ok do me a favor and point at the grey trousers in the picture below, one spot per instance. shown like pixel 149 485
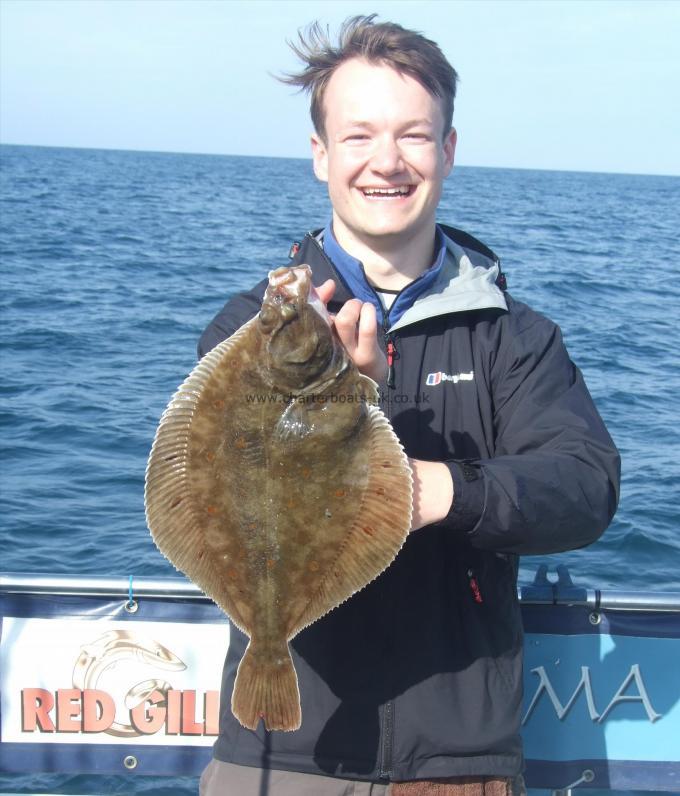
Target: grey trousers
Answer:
pixel 227 779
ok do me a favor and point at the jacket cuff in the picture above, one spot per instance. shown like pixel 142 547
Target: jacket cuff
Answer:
pixel 468 496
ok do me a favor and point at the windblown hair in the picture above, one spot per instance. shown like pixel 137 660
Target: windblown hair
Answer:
pixel 406 51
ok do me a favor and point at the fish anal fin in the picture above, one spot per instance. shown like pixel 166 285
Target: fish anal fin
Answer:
pixel 175 527
pixel 379 529
pixel 266 688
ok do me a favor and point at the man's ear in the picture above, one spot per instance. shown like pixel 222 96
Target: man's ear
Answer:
pixel 450 150
pixel 319 158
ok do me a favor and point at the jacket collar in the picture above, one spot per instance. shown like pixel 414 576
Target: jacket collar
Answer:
pixel 354 276
pixel 469 278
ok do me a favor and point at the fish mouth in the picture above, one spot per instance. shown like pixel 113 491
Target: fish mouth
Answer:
pixel 293 285
pixel 387 192
pixel 292 282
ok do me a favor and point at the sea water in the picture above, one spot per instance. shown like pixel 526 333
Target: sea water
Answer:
pixel 114 262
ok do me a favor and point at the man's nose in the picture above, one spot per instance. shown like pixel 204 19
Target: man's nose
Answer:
pixel 387 156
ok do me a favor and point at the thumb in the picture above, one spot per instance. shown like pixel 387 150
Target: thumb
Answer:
pixel 326 290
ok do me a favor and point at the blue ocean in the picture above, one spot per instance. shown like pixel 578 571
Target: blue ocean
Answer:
pixel 113 263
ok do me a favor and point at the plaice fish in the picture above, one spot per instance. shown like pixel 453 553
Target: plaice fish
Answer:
pixel 277 486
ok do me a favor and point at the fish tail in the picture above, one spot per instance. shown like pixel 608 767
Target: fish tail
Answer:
pixel 266 688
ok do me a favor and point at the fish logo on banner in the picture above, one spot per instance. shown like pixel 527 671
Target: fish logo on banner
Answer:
pixel 120 688
pixel 118 647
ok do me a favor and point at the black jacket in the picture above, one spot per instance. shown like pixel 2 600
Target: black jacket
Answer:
pixel 419 675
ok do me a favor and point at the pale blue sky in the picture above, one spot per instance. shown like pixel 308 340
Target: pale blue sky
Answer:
pixel 561 84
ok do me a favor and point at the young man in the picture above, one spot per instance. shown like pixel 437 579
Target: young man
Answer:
pixel 417 679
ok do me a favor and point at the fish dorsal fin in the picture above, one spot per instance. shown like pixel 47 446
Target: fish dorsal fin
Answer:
pixel 379 530
pixel 171 513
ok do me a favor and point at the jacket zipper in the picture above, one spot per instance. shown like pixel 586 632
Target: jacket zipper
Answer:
pixel 385 768
pixel 388 710
pixel 385 771
pixel 390 346
pixel 392 354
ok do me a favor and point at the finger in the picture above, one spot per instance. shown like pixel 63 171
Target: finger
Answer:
pixel 326 290
pixel 346 323
pixel 368 327
pixel 369 357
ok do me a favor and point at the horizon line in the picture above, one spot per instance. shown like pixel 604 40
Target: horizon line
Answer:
pixel 291 157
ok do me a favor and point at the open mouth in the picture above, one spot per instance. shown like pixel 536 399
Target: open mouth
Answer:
pixel 398 192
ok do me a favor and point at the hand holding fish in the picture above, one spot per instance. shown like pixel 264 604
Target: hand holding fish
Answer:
pixel 357 328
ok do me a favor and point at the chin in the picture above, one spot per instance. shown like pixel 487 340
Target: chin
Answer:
pixel 388 233
pixel 386 226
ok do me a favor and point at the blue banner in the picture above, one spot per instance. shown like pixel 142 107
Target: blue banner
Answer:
pixel 601 698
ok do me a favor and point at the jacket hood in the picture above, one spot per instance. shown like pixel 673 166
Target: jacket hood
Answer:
pixel 468 280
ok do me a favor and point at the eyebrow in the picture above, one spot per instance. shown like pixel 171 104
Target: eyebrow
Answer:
pixel 354 123
pixel 419 122
pixel 406 125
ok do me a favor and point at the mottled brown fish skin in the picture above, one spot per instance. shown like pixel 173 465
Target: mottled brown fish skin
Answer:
pixel 277 487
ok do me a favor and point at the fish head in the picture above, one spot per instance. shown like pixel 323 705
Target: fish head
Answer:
pixel 300 346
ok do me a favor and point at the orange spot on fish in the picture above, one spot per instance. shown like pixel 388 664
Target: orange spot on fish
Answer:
pixel 340 492
pixel 210 456
pixel 212 510
pixel 232 573
pixel 314 565
pixel 367 529
pixel 270 563
pixel 218 404
pixel 306 472
pixel 290 503
pixel 240 443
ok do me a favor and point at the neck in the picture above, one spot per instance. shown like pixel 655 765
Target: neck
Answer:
pixel 390 261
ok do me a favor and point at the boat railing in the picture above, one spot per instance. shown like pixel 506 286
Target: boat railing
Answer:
pixel 543 590
pixel 601 679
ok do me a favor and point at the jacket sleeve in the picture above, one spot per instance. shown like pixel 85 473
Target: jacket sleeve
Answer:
pixel 553 482
pixel 237 311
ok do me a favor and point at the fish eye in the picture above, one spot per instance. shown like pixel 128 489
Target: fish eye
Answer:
pixel 289 311
pixel 268 317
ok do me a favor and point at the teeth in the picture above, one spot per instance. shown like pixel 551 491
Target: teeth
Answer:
pixel 387 191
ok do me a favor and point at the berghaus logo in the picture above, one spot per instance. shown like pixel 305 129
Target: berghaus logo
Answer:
pixel 437 378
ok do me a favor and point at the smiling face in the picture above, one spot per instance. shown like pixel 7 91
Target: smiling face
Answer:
pixel 385 156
